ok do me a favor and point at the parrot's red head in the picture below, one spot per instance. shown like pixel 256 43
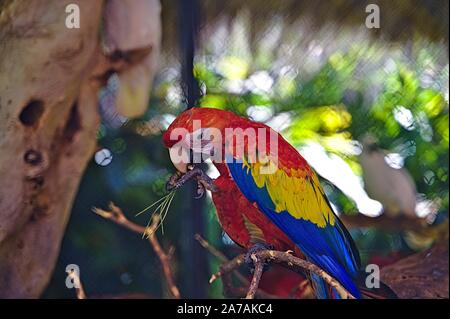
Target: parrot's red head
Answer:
pixel 198 125
pixel 208 118
pixel 222 135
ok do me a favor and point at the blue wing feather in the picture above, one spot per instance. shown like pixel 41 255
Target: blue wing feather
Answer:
pixel 330 247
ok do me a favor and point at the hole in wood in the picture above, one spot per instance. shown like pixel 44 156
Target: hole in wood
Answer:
pixel 73 124
pixel 37 182
pixel 32 157
pixel 31 113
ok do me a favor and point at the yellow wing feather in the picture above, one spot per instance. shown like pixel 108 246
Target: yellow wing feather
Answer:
pixel 300 194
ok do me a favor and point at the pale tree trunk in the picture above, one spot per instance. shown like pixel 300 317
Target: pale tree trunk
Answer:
pixel 49 79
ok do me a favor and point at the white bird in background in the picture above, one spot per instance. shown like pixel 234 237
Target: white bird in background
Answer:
pixel 392 185
pixel 387 182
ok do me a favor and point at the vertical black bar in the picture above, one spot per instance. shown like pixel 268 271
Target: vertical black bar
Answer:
pixel 195 261
pixel 189 18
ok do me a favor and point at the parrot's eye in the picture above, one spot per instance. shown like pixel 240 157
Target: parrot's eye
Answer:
pixel 201 145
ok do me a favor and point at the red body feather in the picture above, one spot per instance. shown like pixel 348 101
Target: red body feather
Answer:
pixel 232 210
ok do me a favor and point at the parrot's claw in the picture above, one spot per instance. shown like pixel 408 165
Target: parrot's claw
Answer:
pixel 204 181
pixel 254 249
pixel 200 190
pixel 173 182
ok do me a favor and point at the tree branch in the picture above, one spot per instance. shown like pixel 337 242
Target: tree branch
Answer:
pixel 384 222
pixel 257 274
pixel 116 215
pixel 287 260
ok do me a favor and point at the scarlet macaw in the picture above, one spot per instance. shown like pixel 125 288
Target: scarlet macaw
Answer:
pixel 286 208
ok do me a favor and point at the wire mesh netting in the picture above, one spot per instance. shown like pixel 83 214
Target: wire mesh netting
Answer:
pixel 317 74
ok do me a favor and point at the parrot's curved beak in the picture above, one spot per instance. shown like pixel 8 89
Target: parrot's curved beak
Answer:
pixel 180 157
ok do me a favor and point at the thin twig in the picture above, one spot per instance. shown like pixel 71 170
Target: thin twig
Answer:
pixel 221 256
pixel 79 289
pixel 116 215
pixel 163 257
pixel 214 251
pixel 257 274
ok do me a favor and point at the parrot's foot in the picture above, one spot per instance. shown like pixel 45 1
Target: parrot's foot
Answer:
pixel 254 249
pixel 204 182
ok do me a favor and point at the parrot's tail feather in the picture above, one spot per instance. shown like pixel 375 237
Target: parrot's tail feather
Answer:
pixel 381 292
pixel 321 289
pixel 324 290
pixel 339 273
